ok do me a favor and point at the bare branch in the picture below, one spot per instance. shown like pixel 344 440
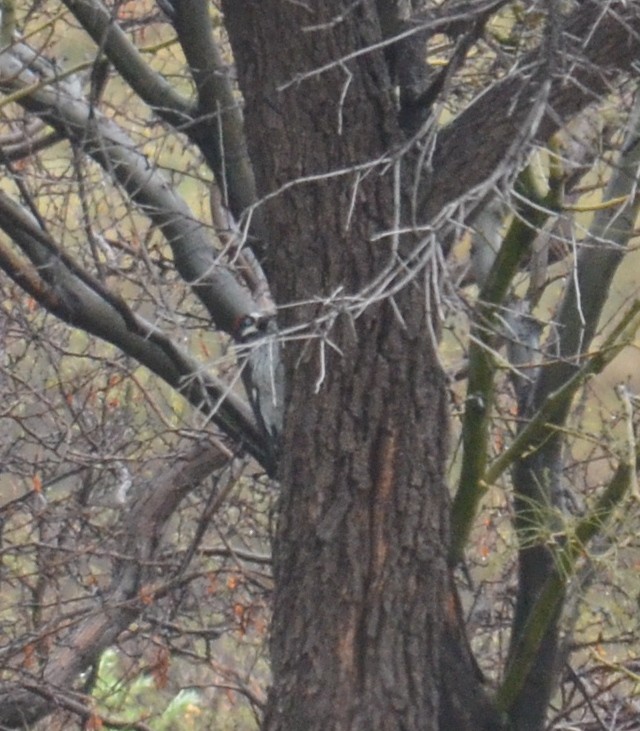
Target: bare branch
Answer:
pixel 122 603
pixel 195 257
pixel 214 123
pixel 599 43
pixel 218 108
pixel 71 294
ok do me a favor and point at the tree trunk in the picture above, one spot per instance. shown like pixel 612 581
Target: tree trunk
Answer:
pixel 363 598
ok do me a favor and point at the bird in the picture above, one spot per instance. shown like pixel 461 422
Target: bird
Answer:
pixel 263 373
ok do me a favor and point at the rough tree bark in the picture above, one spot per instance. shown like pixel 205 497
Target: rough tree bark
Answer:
pixel 363 528
pixel 367 631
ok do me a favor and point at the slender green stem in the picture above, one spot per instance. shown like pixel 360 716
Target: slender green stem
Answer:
pixel 532 212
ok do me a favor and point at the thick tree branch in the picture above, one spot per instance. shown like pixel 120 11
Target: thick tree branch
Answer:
pixel 60 286
pixel 537 476
pixel 597 264
pixel 531 214
pixel 150 86
pixel 218 109
pixel 599 43
pixel 195 257
pixel 525 652
pixel 214 124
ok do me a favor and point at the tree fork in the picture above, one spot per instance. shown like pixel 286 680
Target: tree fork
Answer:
pixel 363 524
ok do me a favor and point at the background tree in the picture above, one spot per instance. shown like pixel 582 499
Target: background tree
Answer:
pixel 277 195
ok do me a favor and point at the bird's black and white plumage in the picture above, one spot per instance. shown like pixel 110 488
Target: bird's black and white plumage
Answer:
pixel 262 374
